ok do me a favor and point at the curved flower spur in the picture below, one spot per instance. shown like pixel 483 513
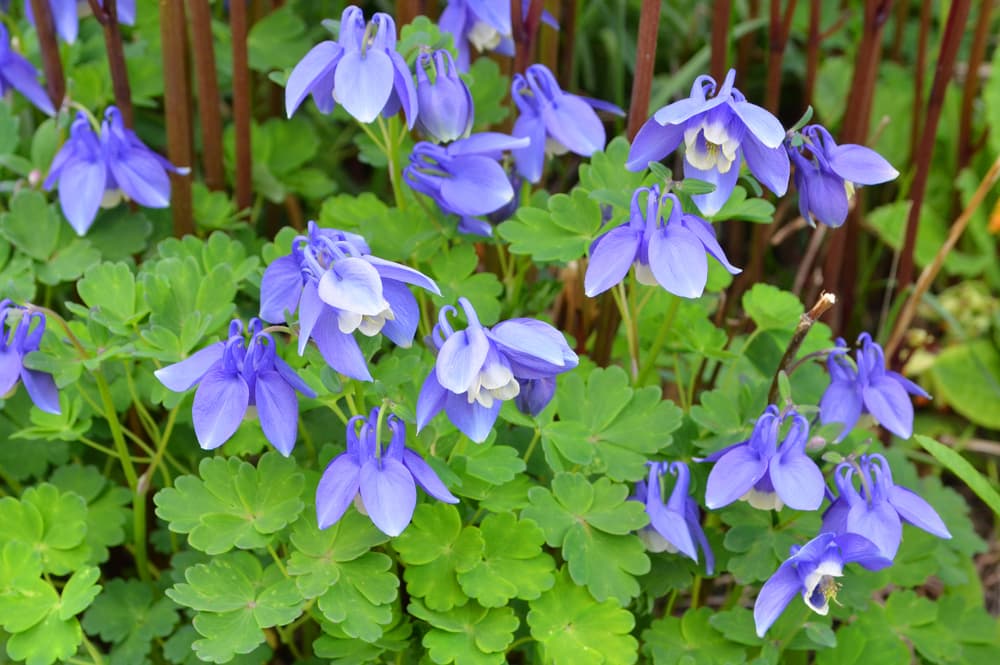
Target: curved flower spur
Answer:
pixel 446 107
pixel 337 286
pixel 15 344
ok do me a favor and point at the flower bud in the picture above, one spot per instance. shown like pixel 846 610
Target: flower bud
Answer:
pixel 445 105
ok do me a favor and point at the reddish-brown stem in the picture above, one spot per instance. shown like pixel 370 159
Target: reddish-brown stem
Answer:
pixel 177 98
pixel 645 59
pixel 407 10
pixel 953 31
pixel 920 74
pixel 812 48
pixel 780 24
pixel 567 40
pixel 525 31
pixel 966 146
pixel 55 83
pixel 721 12
pixel 209 100
pixel 107 14
pixel 241 104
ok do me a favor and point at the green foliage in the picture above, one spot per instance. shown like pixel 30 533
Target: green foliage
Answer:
pixel 955 463
pixel 563 232
pixel 127 616
pixel 467 635
pixel 967 377
pixel 691 639
pixel 50 522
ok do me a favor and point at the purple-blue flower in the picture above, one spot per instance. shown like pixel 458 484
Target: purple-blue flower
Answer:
pixel 879 509
pixel 94 172
pixel 762 473
pixel 674 526
pixel 66 15
pixel 18 339
pixel 719 128
pixel 446 110
pixel 669 251
pixel 483 23
pixel 232 376
pixel 384 478
pixel 464 178
pixel 337 286
pixel 17 73
pixel 361 71
pixel 811 571
pixel 826 180
pixel 867 387
pixel 478 368
pixel 556 122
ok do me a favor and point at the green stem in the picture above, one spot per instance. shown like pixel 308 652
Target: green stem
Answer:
pixel 519 641
pixel 661 339
pixel 277 559
pixel 695 591
pixel 117 435
pixel 622 300
pixel 531 446
pixel 392 155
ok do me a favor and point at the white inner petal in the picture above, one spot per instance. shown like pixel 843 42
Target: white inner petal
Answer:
pixel 719 152
pixel 644 274
pixel 112 197
pixel 494 382
pixel 763 500
pixel 822 577
pixel 554 148
pixel 484 36
pixel 654 542
pixel 369 325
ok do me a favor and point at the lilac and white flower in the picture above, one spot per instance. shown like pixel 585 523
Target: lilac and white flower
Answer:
pixel 18 338
pixel 361 71
pixel 233 376
pixel 384 479
pixel 720 129
pixel 485 24
pixel 827 178
pixel 556 122
pixel 446 109
pixel 674 526
pixel 94 172
pixel 867 386
pixel 811 570
pixel 763 474
pixel 66 15
pixel 666 250
pixel 338 287
pixel 879 509
pixel 478 368
pixel 17 73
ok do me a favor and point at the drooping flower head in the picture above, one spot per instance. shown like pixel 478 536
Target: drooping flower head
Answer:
pixel 478 368
pixel 826 173
pixel 17 73
pixel 811 570
pixel 485 24
pixel 867 386
pixel 674 526
pixel 446 108
pixel 719 128
pixel 361 71
pixel 669 250
pixel 233 376
pixel 762 473
pixel 66 15
pixel 98 171
pixel 879 509
pixel 464 178
pixel 18 339
pixel 557 122
pixel 337 286
pixel 384 478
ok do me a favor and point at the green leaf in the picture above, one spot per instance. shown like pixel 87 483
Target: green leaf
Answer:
pixel 68 262
pixel 314 563
pixel 736 625
pixel 592 523
pixel 561 233
pixel 50 521
pixel 122 233
pixel 689 639
pixel 110 291
pixel 31 225
pixel 106 510
pixel 233 504
pixel 48 641
pixel 513 564
pixel 575 629
pixel 456 274
pixel 79 592
pixel 360 601
pixel 126 615
pixel 605 178
pixel 435 548
pixel 468 635
pixel 771 308
pixel 276 40
pixel 958 465
pixel 738 206
pixel 968 379
pixel 489 88
pixel 491 462
pixel 25 599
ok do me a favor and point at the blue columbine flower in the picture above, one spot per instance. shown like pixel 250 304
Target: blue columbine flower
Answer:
pixel 94 172
pixel 446 108
pixel 670 252
pixel 338 286
pixel 17 73
pixel 479 368
pixel 880 508
pixel 384 479
pixel 361 71
pixel 465 178
pixel 556 122
pixel 233 376
pixel 867 387
pixel 826 180
pixel 66 15
pixel 17 342
pixel 674 526
pixel 810 570
pixel 483 23
pixel 719 128
pixel 764 475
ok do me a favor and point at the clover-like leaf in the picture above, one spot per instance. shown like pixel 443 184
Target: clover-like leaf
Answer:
pixel 316 559
pixel 690 639
pixel 360 601
pixel 513 564
pixel 467 635
pixel 54 523
pixel 106 506
pixel 233 504
pixel 561 233
pixel 127 616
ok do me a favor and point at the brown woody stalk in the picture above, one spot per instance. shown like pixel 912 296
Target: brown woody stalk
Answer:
pixel 806 321
pixel 919 74
pixel 780 26
pixel 567 40
pixel 645 60
pixel 720 38
pixel 55 82
pixel 241 104
pixel 953 31
pixel 812 48
pixel 177 100
pixel 209 99
pixel 525 31
pixel 966 145
pixel 107 16
pixel 407 10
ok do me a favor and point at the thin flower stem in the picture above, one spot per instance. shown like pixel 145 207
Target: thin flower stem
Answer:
pixel 104 449
pixel 679 381
pixel 806 321
pixel 696 591
pixel 277 559
pixel 622 300
pixel 532 444
pixel 661 338
pixel 92 651
pixel 391 149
